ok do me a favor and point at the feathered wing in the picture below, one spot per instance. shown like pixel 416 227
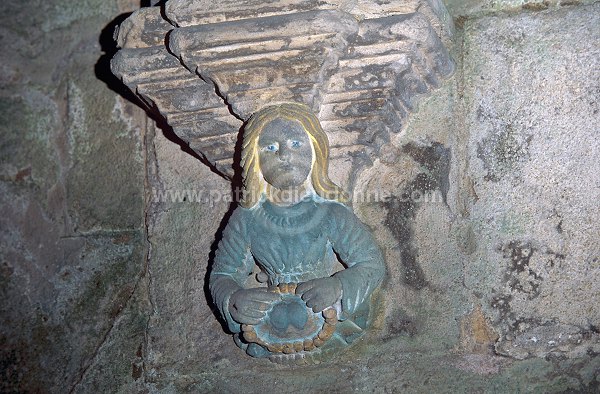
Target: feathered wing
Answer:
pixel 360 69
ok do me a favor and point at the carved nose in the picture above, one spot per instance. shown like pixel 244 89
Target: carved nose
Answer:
pixel 284 154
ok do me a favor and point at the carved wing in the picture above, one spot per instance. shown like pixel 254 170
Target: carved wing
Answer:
pixel 361 67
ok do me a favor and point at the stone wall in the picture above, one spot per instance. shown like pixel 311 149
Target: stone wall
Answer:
pixel 489 222
pixel 72 201
pixel 490 228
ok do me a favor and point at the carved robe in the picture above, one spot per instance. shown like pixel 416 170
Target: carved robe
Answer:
pixel 295 244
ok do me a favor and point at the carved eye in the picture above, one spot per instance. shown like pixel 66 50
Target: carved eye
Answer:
pixel 271 148
pixel 295 144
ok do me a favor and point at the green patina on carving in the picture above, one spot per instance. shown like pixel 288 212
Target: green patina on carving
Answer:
pixel 294 226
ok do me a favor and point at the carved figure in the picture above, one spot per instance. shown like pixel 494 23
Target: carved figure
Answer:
pixel 291 224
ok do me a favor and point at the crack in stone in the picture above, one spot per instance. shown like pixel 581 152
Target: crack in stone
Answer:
pixel 145 271
pixel 106 336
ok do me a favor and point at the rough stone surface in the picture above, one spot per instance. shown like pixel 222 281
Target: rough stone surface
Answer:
pixel 430 334
pixel 485 206
pixel 463 9
pixel 435 200
pixel 360 65
pixel 71 210
pixel 535 172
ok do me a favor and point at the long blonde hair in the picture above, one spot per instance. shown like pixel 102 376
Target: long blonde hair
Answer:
pixel 254 183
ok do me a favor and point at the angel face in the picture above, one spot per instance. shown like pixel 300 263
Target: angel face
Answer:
pixel 285 153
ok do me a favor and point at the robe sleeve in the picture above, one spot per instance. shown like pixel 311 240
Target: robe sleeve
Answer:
pixel 357 249
pixel 232 265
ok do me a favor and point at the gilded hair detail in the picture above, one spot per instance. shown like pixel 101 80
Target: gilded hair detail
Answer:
pixel 254 184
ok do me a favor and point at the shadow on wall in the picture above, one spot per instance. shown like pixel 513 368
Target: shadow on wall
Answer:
pixel 103 72
pixel 151 3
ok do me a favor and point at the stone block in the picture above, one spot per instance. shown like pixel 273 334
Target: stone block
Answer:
pixel 328 55
pixel 71 191
pixel 532 116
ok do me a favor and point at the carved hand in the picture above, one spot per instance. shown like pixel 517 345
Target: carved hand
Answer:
pixel 320 293
pixel 249 306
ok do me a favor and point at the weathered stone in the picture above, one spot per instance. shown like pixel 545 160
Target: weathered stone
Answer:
pixel 506 151
pixel 360 66
pixel 184 13
pixel 469 8
pixel 429 155
pixel 26 154
pixel 99 138
pixel 188 204
pixel 118 364
pixel 85 281
pixel 71 185
pixel 477 335
pixel 144 28
pixel 279 59
pixel 532 111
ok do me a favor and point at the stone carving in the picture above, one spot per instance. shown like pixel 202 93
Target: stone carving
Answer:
pixel 291 224
pixel 359 65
